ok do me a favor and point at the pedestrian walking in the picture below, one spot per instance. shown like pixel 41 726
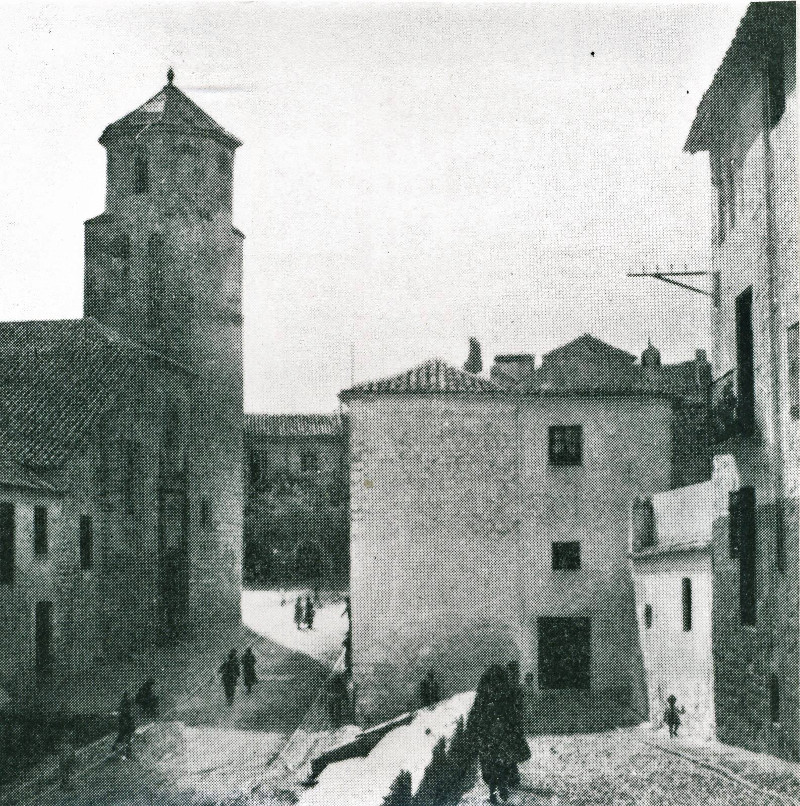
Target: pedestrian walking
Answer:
pixel 126 725
pixel 67 761
pixel 309 613
pixel 147 699
pixel 249 669
pixel 299 616
pixel 672 717
pixel 429 690
pixel 230 672
pixel 516 717
pixel 337 700
pixel 500 745
pixel 348 653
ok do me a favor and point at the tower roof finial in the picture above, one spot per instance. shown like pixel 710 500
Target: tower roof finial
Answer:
pixel 170 76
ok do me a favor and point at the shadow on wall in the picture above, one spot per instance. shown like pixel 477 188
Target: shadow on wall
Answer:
pixel 388 674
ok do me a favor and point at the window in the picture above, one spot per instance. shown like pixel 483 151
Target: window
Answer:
pixel 40 530
pixel 120 260
pixel 686 597
pixel 648 616
pixel 776 79
pixel 794 371
pixel 742 516
pixel 141 174
pixel 205 511
pixel 7 542
pixel 566 556
pixel 132 460
pixel 775 698
pixel 745 376
pixel 155 279
pixel 309 462
pixel 566 444
pixel 87 542
pixel 224 163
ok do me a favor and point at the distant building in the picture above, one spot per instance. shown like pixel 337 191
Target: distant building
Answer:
pixel 747 122
pixel 490 522
pixel 296 524
pixel 121 489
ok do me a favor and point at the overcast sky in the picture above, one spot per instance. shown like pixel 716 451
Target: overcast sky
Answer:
pixel 411 175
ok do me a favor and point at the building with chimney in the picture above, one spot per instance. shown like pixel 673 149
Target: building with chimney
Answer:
pixel 489 521
pixel 121 494
pixel 745 519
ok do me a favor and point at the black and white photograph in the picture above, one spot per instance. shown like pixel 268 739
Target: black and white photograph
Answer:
pixel 399 404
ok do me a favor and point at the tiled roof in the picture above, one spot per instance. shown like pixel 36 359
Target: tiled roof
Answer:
pixel 432 376
pixel 55 378
pixel 760 26
pixel 281 426
pixel 169 108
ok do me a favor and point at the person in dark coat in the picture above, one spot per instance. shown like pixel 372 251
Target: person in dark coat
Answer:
pixel 498 739
pixel 126 726
pixel 337 700
pixel 249 669
pixel 429 690
pixel 299 616
pixel 309 613
pixel 147 699
pixel 672 717
pixel 230 672
pixel 516 717
pixel 348 653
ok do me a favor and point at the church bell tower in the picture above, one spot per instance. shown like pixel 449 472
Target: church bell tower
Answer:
pixel 163 267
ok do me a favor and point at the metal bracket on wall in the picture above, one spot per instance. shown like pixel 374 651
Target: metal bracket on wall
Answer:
pixel 668 277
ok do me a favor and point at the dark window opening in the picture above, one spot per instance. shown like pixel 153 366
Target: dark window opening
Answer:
pixel 648 616
pixel 120 256
pixel 141 173
pixel 776 78
pixel 40 530
pixel 7 542
pixel 742 516
pixel 309 462
pixel 775 698
pixel 745 374
pixel 44 637
pixel 256 468
pixel 565 652
pixel 87 542
pixel 155 279
pixel 566 556
pixel 686 598
pixel 224 163
pixel 205 511
pixel 794 370
pixel 566 444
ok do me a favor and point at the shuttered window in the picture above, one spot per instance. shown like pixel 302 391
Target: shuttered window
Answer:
pixel 7 545
pixel 686 596
pixel 742 516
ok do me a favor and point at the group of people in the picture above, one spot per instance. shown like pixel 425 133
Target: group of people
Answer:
pixel 304 612
pixel 232 669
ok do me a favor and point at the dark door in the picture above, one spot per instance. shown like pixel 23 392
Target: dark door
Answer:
pixel 565 652
pixel 44 637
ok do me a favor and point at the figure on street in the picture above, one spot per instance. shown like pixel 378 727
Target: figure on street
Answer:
pixel 147 699
pixel 672 717
pixel 337 700
pixel 429 690
pixel 249 677
pixel 299 617
pixel 126 726
pixel 230 672
pixel 516 712
pixel 500 745
pixel 348 653
pixel 309 613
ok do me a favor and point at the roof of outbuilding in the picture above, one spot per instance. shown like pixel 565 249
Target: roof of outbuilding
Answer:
pixel 173 109
pixel 14 474
pixel 432 376
pixel 283 426
pixel 55 378
pixel 758 27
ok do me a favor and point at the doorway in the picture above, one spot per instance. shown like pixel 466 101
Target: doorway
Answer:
pixel 565 652
pixel 44 637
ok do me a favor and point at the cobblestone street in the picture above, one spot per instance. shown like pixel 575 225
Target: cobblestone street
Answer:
pixel 616 768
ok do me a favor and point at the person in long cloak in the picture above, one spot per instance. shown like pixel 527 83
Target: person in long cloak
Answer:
pixel 249 677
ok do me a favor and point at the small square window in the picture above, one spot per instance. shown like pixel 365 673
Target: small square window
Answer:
pixel 648 616
pixel 566 445
pixel 40 530
pixel 566 556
